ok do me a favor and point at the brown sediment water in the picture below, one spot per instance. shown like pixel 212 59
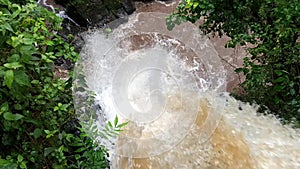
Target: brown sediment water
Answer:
pixel 241 140
pixel 171 88
pixel 223 149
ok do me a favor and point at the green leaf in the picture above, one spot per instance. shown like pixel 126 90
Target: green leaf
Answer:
pixel 189 4
pixel 81 149
pixel 27 41
pixel 22 78
pixel 35 82
pixel 116 121
pixel 18 106
pixel 48 150
pixel 37 133
pixel 50 133
pixel 4 162
pixel 239 70
pixel 13 65
pixel 77 156
pixel 118 130
pixel 108 133
pixel 292 92
pixel 195 4
pixel 20 158
pixel 69 137
pixel 49 42
pixel 17 11
pixel 9 78
pixel 27 51
pixel 33 121
pixel 8 27
pixel 13 58
pixel 15 41
pixel 56 108
pixel 278 88
pixel 12 117
pixel 278 72
pixel 4 108
pixel 103 135
pixel 109 124
pixel 23 165
pixel 108 30
pixel 79 144
pixel 280 79
pixel 122 125
pixel 4 2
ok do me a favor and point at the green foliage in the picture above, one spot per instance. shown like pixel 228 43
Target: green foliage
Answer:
pixel 87 112
pixel 35 106
pixel 109 131
pixel 273 27
pixel 87 154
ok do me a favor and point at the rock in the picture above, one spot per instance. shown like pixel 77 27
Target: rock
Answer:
pixel 80 15
pixel 96 13
pixel 128 6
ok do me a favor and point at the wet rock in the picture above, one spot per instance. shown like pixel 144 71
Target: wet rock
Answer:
pixel 72 126
pixel 66 64
pixel 96 13
pixel 128 6
pixel 80 15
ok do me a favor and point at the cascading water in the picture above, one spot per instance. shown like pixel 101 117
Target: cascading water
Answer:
pixel 170 87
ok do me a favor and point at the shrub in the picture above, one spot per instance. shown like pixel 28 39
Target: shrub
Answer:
pixel 273 70
pixel 37 123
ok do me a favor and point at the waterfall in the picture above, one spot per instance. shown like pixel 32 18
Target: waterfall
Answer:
pixel 170 87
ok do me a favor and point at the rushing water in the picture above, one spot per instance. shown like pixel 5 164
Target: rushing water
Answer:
pixel 170 86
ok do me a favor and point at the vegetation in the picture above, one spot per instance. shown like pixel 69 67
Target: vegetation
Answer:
pixel 273 28
pixel 37 119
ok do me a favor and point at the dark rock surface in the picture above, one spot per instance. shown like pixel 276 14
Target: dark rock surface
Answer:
pixel 83 14
pixel 96 13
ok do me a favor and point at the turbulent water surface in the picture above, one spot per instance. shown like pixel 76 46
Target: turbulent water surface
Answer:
pixel 170 86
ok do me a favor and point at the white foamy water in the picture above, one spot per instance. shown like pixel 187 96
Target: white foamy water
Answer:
pixel 272 145
pixel 170 87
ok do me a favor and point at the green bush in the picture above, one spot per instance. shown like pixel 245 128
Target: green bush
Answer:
pixel 273 70
pixel 36 109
